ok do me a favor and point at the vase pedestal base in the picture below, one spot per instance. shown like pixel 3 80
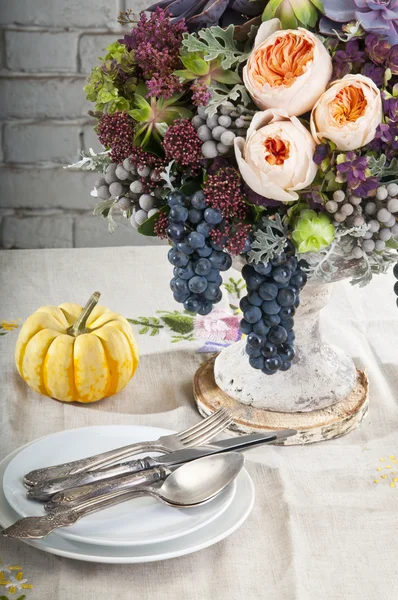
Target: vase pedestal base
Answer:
pixel 314 426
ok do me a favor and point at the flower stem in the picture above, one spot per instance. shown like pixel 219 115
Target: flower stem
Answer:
pixel 79 326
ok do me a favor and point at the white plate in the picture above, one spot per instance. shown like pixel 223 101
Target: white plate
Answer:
pixel 232 519
pixel 139 521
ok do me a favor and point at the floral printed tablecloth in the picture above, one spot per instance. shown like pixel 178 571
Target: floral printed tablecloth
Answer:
pixel 325 521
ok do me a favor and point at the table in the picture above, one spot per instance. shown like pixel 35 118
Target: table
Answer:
pixel 321 528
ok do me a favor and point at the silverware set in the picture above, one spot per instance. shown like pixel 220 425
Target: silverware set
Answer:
pixel 188 473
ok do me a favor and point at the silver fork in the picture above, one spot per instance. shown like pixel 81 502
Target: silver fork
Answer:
pixel 197 435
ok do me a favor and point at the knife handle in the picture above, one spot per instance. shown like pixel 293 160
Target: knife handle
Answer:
pixel 46 490
pixel 78 496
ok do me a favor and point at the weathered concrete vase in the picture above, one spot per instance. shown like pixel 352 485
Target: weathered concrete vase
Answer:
pixel 320 376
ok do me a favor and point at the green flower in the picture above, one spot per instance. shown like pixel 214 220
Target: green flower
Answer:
pixel 154 115
pixel 293 13
pixel 207 72
pixel 313 231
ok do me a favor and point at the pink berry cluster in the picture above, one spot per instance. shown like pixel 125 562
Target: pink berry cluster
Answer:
pixel 182 144
pixel 116 131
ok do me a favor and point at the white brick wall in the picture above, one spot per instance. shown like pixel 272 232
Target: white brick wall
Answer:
pixel 47 47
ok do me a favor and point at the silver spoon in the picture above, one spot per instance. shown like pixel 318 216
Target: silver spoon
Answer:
pixel 191 485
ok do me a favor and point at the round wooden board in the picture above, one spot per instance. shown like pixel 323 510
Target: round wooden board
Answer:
pixel 316 426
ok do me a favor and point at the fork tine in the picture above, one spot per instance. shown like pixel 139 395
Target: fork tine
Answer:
pixel 202 437
pixel 202 424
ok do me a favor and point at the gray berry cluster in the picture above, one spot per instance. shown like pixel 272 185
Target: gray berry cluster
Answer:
pixel 219 131
pixel 123 182
pixel 382 217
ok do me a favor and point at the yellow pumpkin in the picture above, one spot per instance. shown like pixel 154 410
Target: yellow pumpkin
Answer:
pixel 74 354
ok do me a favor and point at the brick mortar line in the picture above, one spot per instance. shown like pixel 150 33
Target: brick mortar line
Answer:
pixel 49 122
pixel 5 74
pixel 42 166
pixel 50 29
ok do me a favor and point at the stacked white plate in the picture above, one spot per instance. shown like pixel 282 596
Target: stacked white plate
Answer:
pixel 140 530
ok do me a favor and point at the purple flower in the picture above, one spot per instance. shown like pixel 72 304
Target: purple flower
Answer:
pixel 379 16
pixel 392 60
pixel 321 152
pixel 375 73
pixel 157 43
pixel 377 48
pixel 355 171
pixel 390 107
pixel 344 60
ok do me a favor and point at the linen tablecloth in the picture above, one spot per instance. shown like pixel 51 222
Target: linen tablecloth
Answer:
pixel 321 527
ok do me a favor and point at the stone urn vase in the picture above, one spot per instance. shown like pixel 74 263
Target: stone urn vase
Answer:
pixel 322 396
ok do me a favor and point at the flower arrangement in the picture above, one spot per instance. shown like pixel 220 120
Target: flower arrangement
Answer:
pixel 262 129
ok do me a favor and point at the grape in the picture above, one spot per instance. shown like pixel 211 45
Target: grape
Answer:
pixel 186 272
pixel 204 228
pixel 257 362
pixel 178 213
pixel 395 270
pixel 196 240
pixel 180 297
pixel 277 335
pixel 198 200
pixel 255 341
pixel 184 247
pixel 269 324
pixel 286 297
pixel 260 328
pixel 213 216
pixel 203 266
pixel 269 349
pixel 176 232
pixel 245 327
pixel 195 215
pixel 204 252
pixel 176 198
pixel 252 314
pixel 197 260
pixel 192 304
pixel 270 308
pixel 268 291
pixel 254 299
pixel 197 284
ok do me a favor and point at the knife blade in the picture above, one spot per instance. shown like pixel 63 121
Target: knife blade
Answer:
pixel 45 491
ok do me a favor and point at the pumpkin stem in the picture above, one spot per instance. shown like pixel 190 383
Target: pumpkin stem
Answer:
pixel 79 325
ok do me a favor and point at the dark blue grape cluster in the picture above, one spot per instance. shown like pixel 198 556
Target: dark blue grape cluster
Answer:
pixel 196 258
pixel 396 277
pixel 269 308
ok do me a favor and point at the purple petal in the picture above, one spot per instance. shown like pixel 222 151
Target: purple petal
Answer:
pixel 339 10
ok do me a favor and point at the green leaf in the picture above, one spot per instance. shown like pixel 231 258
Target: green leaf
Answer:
pixel 270 240
pixel 191 187
pixel 319 5
pixel 178 322
pixel 228 77
pixel 195 63
pixel 185 74
pixel 147 227
pixel 305 12
pixel 216 43
pixel 270 9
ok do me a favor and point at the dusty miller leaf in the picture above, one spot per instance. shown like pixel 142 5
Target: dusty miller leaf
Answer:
pixel 222 93
pixel 91 161
pixel 216 42
pixel 167 176
pixel 269 242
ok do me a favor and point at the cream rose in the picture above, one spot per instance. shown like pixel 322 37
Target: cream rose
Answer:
pixel 348 113
pixel 287 69
pixel 275 160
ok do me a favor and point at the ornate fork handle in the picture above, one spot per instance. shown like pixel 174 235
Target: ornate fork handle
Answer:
pixel 39 476
pixel 47 489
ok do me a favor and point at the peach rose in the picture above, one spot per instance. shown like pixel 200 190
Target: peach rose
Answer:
pixel 287 69
pixel 348 113
pixel 275 160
